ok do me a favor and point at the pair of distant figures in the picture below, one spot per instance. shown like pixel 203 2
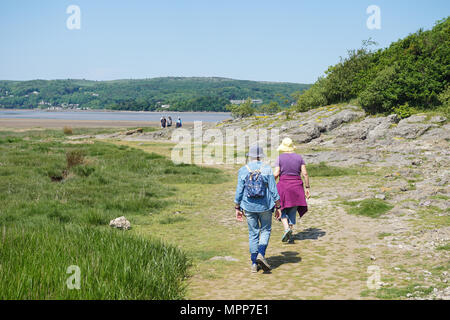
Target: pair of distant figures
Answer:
pixel 168 122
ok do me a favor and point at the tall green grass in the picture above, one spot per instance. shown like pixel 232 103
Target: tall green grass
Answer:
pixel 56 210
pixel 113 264
pixel 41 181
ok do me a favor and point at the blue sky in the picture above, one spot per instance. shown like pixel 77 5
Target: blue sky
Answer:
pixel 281 40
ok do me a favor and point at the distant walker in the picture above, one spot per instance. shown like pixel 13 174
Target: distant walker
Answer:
pixel 179 124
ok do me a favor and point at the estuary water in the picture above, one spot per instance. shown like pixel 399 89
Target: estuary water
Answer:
pixel 113 115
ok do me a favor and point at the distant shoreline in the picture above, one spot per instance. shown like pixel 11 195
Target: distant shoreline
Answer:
pixel 60 123
pixel 26 118
pixel 108 110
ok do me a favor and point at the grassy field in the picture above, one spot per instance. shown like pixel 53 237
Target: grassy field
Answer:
pixel 56 200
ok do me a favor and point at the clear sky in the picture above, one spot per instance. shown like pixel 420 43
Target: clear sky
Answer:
pixel 278 40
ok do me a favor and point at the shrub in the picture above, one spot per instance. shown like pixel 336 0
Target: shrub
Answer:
pixel 346 79
pixel 381 95
pixel 413 70
pixel 444 98
pixel 74 158
pixel 271 108
pixel 404 111
pixel 67 130
pixel 312 98
pixel 243 110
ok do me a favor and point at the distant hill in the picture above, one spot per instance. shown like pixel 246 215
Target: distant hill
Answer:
pixel 182 94
pixel 411 74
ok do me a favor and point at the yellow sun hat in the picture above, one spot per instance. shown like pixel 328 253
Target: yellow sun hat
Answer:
pixel 286 145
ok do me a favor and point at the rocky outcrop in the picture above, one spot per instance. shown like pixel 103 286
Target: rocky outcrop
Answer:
pixel 371 128
pixel 310 125
pixel 304 133
pixel 335 120
pixel 412 127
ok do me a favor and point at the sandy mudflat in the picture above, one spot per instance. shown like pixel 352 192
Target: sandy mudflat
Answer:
pixel 57 123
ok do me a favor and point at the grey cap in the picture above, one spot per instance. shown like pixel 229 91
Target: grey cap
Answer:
pixel 256 152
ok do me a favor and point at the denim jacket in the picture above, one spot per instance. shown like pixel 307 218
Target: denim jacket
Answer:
pixel 256 204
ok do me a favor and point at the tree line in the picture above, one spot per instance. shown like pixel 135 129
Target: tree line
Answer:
pixel 410 75
pixel 182 94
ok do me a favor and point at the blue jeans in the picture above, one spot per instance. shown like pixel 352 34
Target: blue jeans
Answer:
pixel 259 228
pixel 289 214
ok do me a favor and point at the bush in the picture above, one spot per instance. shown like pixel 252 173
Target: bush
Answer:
pixel 271 108
pixel 413 70
pixel 381 95
pixel 444 98
pixel 346 79
pixel 243 110
pixel 74 158
pixel 312 98
pixel 67 130
pixel 404 111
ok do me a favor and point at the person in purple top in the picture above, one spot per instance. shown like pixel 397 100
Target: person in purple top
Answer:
pixel 290 168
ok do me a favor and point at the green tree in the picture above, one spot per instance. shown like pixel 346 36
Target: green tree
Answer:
pixel 312 98
pixel 271 108
pixel 243 110
pixel 382 94
pixel 411 74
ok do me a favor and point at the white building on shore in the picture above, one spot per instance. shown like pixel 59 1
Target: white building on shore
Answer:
pixel 256 101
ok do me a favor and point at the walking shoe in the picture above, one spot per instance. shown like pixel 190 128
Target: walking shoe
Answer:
pixel 254 268
pixel 286 235
pixel 263 262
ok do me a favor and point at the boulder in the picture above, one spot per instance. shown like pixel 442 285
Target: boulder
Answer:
pixel 339 118
pixel 413 119
pixel 369 128
pixel 120 223
pixel 438 119
pixel 393 118
pixel 379 131
pixel 288 125
pixel 410 130
pixel 305 133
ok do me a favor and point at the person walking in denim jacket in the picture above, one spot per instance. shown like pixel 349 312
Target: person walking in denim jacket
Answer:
pixel 258 211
